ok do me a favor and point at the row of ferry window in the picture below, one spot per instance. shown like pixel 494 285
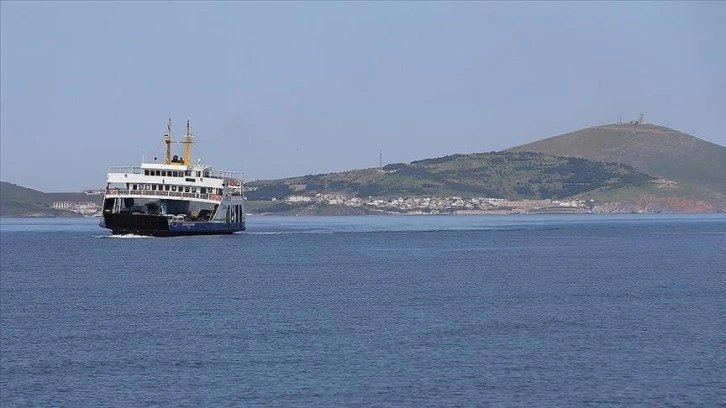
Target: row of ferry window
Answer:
pixel 174 173
pixel 181 189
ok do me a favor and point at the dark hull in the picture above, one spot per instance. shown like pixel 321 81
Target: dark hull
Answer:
pixel 159 226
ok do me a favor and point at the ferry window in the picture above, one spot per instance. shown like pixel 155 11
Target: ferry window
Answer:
pixel 203 190
pixel 134 187
pixel 194 189
pixel 173 188
pixel 186 189
pixel 166 188
pixel 153 187
pixel 146 172
pixel 199 174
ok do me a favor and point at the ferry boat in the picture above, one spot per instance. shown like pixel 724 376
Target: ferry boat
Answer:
pixel 173 198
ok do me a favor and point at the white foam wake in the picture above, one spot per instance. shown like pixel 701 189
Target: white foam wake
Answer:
pixel 122 236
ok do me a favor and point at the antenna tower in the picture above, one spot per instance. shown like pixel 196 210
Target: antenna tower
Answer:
pixel 168 140
pixel 187 146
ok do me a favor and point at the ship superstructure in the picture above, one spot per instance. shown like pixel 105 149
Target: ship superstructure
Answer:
pixel 173 198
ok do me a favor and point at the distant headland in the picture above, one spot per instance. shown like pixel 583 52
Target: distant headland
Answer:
pixel 618 168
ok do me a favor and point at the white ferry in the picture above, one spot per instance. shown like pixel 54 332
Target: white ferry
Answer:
pixel 173 198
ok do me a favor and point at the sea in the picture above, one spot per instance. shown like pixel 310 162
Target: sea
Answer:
pixel 373 311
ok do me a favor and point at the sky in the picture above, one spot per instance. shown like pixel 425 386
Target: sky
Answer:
pixel 280 89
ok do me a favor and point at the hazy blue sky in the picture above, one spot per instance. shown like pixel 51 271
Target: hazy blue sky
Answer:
pixel 276 89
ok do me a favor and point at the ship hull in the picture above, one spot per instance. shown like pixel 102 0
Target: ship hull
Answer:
pixel 159 226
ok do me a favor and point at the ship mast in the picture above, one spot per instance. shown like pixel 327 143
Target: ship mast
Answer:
pixel 168 141
pixel 188 146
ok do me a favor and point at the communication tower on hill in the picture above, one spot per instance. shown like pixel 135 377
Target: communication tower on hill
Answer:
pixel 637 122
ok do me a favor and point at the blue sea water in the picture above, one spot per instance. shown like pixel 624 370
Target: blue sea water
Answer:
pixel 424 311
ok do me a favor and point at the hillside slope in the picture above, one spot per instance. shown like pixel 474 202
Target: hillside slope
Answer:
pixel 656 150
pixel 18 201
pixel 497 175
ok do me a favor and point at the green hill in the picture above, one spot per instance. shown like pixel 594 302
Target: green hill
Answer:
pixel 698 165
pixel 506 175
pixel 18 201
pixel 620 167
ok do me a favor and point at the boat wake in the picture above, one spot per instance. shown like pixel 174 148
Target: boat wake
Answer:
pixel 124 236
pixel 289 232
pixel 383 230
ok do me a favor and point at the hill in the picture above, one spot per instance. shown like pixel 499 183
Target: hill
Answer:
pixel 506 175
pixel 699 166
pixel 610 168
pixel 18 201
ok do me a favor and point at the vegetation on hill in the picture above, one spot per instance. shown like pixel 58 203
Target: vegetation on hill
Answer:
pixel 636 167
pixel 655 150
pixel 18 201
pixel 507 175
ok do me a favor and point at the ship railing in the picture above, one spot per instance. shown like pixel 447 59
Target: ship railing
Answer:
pixel 214 174
pixel 126 169
pixel 113 192
pixel 220 174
